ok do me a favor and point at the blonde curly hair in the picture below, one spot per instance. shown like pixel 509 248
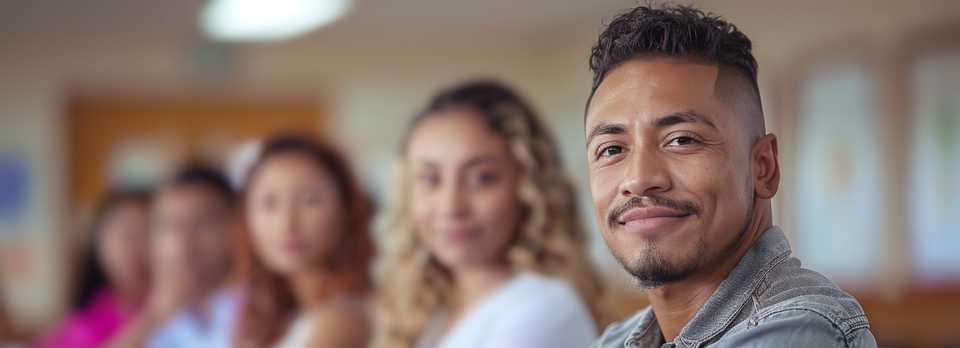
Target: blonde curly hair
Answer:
pixel 551 239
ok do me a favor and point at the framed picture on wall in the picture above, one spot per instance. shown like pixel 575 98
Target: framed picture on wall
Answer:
pixel 836 175
pixel 932 115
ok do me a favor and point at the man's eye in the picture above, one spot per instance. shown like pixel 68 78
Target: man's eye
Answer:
pixel 611 151
pixel 683 141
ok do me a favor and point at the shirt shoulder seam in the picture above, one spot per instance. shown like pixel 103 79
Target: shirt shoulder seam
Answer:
pixel 845 326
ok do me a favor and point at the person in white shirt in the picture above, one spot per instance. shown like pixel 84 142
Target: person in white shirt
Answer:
pixel 486 248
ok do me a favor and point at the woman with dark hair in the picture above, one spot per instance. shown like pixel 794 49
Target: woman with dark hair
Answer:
pixel 307 249
pixel 7 329
pixel 113 281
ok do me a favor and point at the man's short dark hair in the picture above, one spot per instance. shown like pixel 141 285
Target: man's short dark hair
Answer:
pixel 672 31
pixel 207 176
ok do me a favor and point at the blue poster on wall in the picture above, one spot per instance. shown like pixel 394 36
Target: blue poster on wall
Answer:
pixel 14 195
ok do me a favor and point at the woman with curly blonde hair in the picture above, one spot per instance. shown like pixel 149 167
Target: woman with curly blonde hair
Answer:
pixel 485 244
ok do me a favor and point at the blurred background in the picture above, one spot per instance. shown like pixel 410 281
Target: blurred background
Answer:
pixel 864 95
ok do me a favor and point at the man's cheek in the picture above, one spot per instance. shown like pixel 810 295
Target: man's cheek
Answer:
pixel 600 213
pixel 603 184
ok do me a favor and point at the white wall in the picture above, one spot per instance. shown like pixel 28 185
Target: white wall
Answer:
pixel 30 130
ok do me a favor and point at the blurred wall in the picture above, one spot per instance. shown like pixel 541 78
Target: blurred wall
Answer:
pixel 30 114
pixel 375 75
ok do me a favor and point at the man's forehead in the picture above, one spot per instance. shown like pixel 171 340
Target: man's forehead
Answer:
pixel 642 83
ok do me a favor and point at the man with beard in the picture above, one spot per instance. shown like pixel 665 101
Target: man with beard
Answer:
pixel 682 172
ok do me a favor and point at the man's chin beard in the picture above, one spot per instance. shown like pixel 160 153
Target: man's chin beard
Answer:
pixel 652 270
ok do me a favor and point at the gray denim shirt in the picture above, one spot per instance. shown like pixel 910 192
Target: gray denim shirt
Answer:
pixel 768 300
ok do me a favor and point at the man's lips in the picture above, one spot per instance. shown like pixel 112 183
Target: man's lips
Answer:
pixel 644 213
pixel 649 220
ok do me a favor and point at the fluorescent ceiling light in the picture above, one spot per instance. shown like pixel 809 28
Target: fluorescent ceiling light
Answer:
pixel 268 20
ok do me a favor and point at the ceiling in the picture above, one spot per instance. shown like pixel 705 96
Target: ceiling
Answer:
pixel 112 23
pixel 177 18
pixel 34 19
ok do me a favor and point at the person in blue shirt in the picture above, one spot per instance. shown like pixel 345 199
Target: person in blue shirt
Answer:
pixel 682 173
pixel 191 303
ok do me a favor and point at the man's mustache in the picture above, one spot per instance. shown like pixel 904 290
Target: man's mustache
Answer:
pixel 687 207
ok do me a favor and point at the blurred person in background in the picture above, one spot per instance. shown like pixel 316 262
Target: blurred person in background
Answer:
pixel 8 330
pixel 682 172
pixel 487 247
pixel 308 249
pixel 190 303
pixel 112 283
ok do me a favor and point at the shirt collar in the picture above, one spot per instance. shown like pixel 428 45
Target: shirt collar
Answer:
pixel 726 302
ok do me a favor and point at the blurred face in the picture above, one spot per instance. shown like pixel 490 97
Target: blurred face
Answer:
pixel 669 166
pixel 295 213
pixel 464 190
pixel 123 245
pixel 191 237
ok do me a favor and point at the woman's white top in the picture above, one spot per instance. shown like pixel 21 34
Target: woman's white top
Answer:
pixel 530 310
pixel 299 333
pixel 304 326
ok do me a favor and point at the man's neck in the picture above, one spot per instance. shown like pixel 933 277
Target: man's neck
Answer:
pixel 199 304
pixel 675 304
pixel 203 291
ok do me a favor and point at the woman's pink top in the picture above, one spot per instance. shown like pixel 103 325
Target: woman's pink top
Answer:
pixel 91 326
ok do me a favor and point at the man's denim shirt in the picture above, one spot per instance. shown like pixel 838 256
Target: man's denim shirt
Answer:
pixel 768 300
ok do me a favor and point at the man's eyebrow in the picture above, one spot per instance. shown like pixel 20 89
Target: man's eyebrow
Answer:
pixel 688 116
pixel 606 128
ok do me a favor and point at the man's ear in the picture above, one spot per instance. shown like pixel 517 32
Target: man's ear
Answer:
pixel 766 167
